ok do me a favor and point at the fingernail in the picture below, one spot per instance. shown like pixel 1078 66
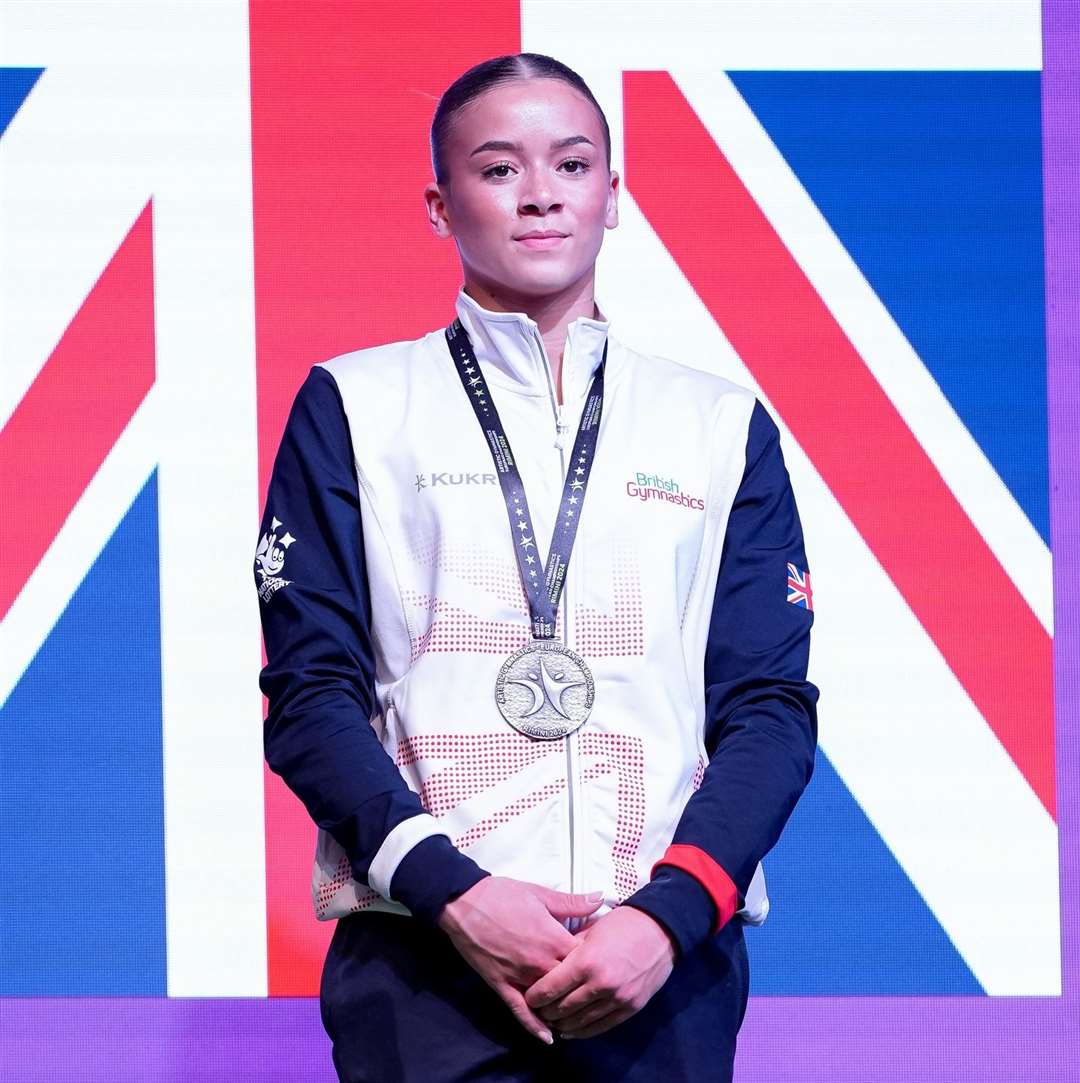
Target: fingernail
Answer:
pixel 546 1035
pixel 595 895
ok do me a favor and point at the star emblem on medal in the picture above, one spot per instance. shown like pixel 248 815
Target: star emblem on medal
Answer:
pixel 545 690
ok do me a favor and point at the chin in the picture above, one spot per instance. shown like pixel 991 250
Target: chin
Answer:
pixel 542 282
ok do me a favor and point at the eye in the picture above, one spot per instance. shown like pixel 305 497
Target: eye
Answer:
pixel 582 164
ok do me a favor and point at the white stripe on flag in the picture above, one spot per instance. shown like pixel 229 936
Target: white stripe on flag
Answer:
pixel 153 100
pixel 779 35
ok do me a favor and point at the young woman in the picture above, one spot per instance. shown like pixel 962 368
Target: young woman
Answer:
pixel 537 614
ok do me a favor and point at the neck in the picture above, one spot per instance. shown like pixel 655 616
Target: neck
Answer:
pixel 553 313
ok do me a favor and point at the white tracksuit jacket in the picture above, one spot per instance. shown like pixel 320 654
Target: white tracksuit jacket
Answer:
pixel 390 597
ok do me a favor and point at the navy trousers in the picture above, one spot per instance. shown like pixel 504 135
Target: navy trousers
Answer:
pixel 401 1004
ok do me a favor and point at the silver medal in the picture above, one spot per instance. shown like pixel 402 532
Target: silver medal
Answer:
pixel 545 689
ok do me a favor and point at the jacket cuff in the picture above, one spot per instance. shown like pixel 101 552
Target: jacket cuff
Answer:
pixel 432 873
pixel 709 873
pixel 689 894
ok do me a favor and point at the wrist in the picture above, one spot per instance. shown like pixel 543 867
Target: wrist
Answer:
pixel 663 934
pixel 449 916
pixel 445 919
pixel 679 904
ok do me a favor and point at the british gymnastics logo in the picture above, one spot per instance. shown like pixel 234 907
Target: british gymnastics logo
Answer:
pixel 655 487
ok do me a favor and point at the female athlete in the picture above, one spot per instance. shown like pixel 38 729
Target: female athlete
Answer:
pixel 537 613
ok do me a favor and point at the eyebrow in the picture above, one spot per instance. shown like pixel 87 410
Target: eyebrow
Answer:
pixel 503 144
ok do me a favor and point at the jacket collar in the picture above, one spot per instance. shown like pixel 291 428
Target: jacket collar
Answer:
pixel 509 347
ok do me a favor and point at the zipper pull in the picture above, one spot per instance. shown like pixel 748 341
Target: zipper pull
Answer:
pixel 561 429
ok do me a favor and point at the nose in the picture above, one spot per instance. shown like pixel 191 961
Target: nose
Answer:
pixel 537 196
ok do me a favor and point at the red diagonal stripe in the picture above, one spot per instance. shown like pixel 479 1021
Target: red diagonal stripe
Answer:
pixel 889 487
pixel 77 407
pixel 342 94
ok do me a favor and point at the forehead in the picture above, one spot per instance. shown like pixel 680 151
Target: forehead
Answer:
pixel 525 109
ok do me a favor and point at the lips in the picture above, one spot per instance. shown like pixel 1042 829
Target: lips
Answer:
pixel 542 239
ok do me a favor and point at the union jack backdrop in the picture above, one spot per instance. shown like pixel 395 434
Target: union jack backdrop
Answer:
pixel 860 210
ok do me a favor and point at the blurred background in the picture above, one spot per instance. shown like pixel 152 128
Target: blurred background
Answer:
pixel 866 212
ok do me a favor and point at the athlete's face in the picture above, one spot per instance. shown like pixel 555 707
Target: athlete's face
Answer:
pixel 509 176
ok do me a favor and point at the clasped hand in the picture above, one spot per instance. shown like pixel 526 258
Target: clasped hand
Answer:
pixel 581 984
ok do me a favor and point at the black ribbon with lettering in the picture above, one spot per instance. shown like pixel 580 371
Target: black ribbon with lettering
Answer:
pixel 542 591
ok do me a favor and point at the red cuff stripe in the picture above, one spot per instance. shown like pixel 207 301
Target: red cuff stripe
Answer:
pixel 708 873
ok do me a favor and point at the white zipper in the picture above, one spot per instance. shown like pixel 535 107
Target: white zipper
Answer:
pixel 560 440
pixel 569 736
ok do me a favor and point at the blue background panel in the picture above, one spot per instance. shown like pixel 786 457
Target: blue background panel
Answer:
pixel 82 897
pixel 845 920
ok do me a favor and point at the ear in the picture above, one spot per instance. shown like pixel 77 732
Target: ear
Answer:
pixel 437 212
pixel 612 219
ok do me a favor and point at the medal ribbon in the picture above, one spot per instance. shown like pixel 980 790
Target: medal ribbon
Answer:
pixel 543 591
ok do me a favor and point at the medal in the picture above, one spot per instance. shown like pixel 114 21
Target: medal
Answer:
pixel 544 689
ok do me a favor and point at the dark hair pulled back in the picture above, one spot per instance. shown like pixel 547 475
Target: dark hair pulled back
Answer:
pixel 489 73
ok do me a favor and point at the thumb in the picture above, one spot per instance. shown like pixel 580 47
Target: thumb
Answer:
pixel 562 904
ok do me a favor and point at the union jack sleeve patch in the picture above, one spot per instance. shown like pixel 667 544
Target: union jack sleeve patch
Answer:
pixel 799 591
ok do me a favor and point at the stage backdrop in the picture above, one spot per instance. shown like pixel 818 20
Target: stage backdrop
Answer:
pixel 860 210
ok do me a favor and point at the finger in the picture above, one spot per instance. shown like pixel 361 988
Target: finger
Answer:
pixel 557 982
pixel 583 1014
pixel 561 904
pixel 577 1000
pixel 612 1019
pixel 524 1014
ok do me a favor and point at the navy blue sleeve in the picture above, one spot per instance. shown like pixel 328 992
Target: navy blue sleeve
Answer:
pixel 760 711
pixel 315 607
